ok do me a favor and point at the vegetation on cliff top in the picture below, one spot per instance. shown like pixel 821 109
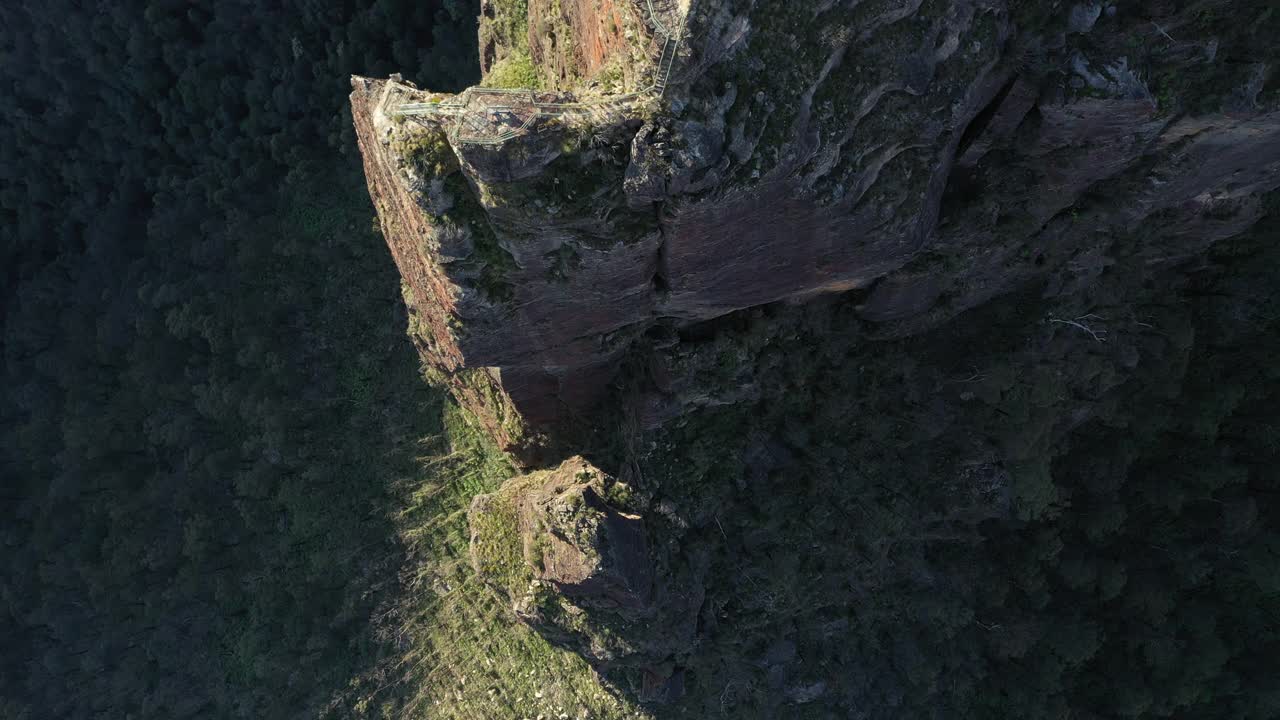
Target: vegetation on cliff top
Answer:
pixel 514 71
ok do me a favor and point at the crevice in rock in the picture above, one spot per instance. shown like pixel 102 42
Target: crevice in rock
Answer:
pixel 982 120
pixel 661 275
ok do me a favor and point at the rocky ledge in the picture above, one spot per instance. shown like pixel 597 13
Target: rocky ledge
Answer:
pixel 575 565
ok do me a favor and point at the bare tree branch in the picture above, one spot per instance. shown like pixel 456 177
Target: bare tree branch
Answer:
pixel 1098 335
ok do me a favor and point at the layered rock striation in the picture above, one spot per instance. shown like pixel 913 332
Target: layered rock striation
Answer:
pixel 928 155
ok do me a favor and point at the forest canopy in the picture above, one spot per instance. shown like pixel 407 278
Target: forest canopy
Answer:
pixel 206 386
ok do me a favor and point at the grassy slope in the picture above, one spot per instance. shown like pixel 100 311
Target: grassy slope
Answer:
pixel 449 647
pixel 465 655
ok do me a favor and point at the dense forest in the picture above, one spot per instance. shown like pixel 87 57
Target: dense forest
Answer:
pixel 1127 566
pixel 207 390
pixel 227 492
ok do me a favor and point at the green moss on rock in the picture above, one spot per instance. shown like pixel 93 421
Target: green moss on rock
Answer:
pixel 430 156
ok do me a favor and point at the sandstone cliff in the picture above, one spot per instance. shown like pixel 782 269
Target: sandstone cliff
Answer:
pixel 774 264
pixel 680 162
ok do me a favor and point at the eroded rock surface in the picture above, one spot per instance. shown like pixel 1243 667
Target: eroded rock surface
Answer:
pixel 578 567
pixel 931 155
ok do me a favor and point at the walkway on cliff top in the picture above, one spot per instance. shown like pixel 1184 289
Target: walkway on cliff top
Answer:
pixel 490 116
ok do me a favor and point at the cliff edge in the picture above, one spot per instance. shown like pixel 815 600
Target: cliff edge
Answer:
pixel 672 163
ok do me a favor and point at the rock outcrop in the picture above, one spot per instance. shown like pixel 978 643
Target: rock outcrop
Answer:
pixel 569 536
pixel 930 155
pixel 578 567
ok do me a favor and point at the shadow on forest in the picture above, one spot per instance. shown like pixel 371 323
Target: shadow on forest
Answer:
pixel 209 396
pixel 902 525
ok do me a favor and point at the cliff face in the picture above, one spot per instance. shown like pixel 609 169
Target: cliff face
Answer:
pixel 694 161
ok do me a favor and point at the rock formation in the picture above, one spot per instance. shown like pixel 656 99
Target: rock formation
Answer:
pixel 578 567
pixel 681 167
pixel 570 537
pixel 932 155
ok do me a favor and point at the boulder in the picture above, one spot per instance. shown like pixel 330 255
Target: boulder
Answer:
pixel 561 547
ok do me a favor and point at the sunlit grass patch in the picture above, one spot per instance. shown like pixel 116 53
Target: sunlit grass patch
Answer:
pixel 461 652
pixel 514 71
